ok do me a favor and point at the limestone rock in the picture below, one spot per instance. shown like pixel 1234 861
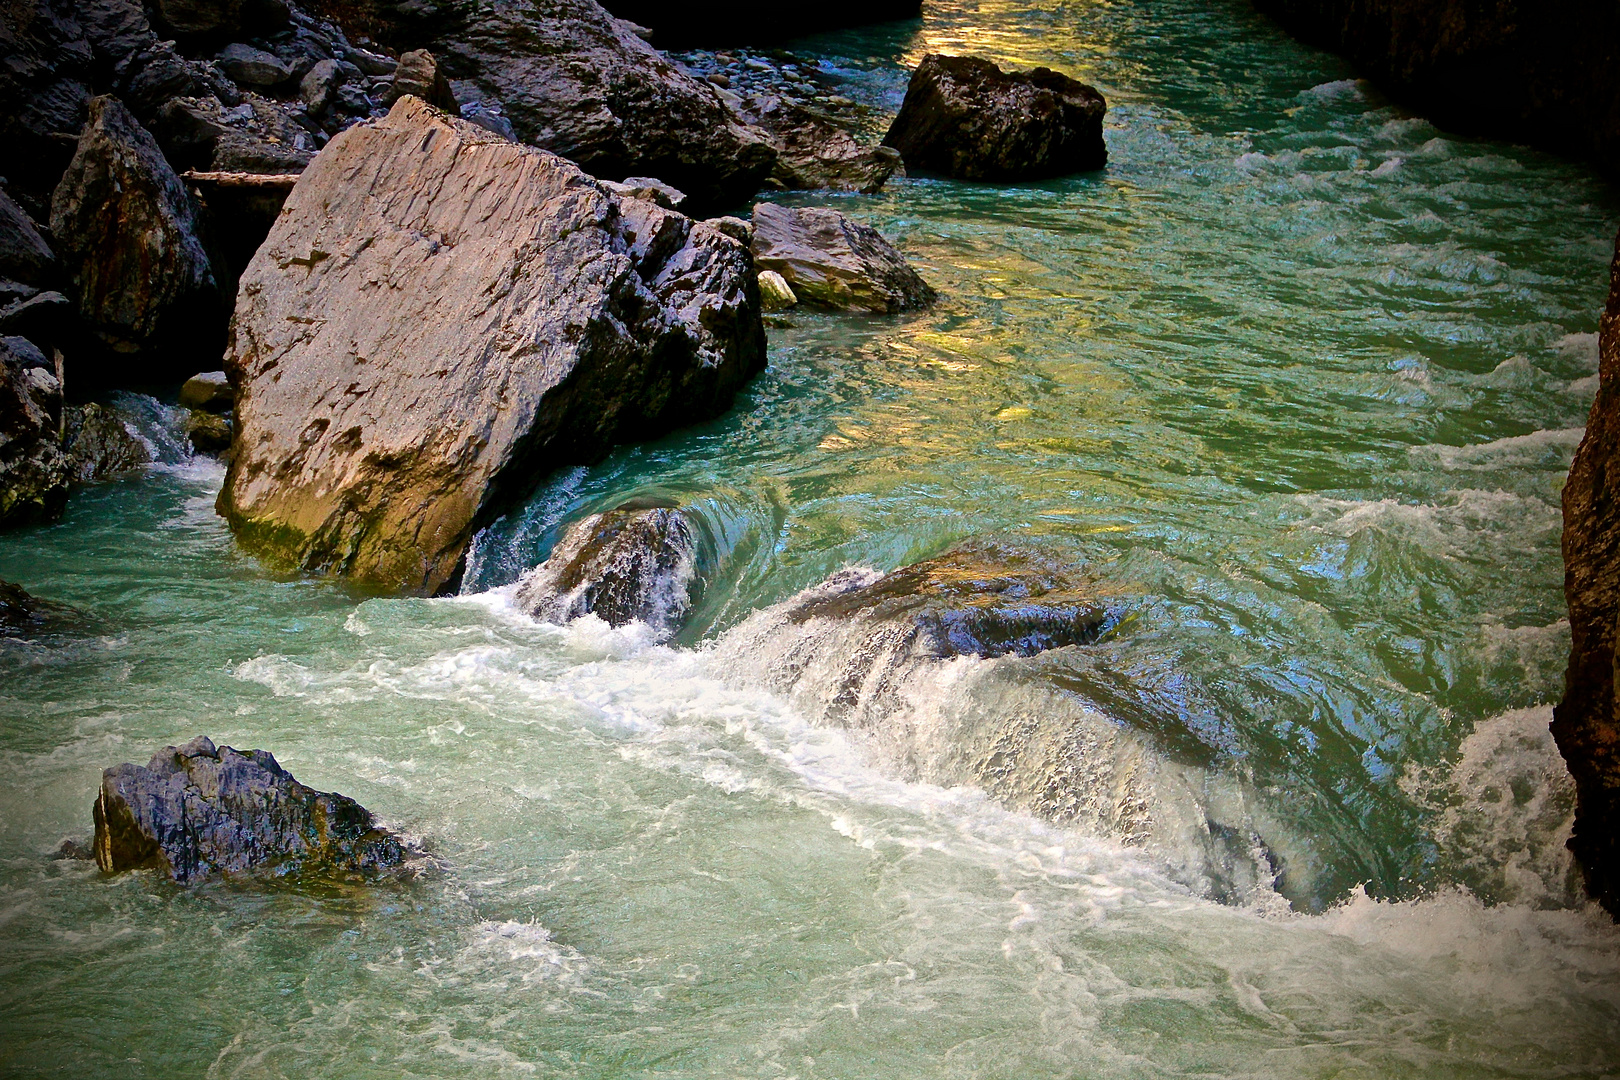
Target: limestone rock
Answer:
pixel 832 262
pixel 437 319
pixel 965 117
pixel 815 152
pixel 208 390
pixel 99 446
pixel 580 83
pixel 24 254
pixel 775 294
pixel 34 471
pixel 1587 722
pixel 253 67
pixel 195 811
pixel 128 236
pixel 418 74
pixel 635 563
pixel 649 188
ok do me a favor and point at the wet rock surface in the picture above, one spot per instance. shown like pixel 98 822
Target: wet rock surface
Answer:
pixel 964 117
pixel 533 319
pixel 25 256
pixel 196 811
pixel 34 472
pixel 127 232
pixel 636 563
pixel 1586 724
pixel 99 446
pixel 1543 74
pixel 833 262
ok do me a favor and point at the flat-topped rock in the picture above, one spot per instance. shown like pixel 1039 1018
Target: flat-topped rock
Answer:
pixel 966 118
pixel 831 261
pixel 440 317
pixel 197 811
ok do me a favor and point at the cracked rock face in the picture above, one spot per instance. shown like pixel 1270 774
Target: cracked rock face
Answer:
pixel 439 318
pixel 198 810
pixel 965 117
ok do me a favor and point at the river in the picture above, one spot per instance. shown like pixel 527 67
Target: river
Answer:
pixel 1298 377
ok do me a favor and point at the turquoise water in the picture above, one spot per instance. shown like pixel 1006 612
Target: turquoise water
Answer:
pixel 1298 378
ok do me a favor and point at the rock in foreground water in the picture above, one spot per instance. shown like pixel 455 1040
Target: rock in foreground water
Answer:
pixel 637 563
pixel 1587 722
pixel 965 117
pixel 197 810
pixel 832 262
pixel 438 319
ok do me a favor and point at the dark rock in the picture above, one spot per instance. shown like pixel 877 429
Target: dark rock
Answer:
pixel 965 117
pixel 480 113
pixel 533 320
pixel 1586 723
pixel 208 390
pixel 45 89
pixel 33 469
pixel 319 86
pixel 21 613
pixel 253 67
pixel 199 16
pixel 982 598
pixel 127 233
pixel 44 316
pixel 1545 74
pixel 200 134
pixel 73 850
pixel 814 151
pixel 418 73
pixel 580 83
pixel 195 811
pixel 209 432
pixel 370 63
pixel 833 262
pixel 637 563
pixel 714 22
pixel 240 208
pixel 24 254
pixel 98 445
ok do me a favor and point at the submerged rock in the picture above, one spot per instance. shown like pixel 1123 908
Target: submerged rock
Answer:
pixel 637 563
pixel 1586 723
pixel 127 232
pixel 832 262
pixel 20 613
pixel 195 811
pixel 582 84
pixel 965 117
pixel 531 319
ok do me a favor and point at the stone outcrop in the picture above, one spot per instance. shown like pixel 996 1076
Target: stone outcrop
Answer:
pixel 1587 722
pixel 418 74
pixel 832 262
pixel 725 22
pixel 1546 74
pixel 966 118
pixel 127 232
pixel 814 151
pixel 636 563
pixel 34 472
pixel 98 445
pixel 438 318
pixel 576 81
pixel 196 811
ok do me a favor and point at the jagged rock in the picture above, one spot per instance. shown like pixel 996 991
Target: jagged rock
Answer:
pixel 775 294
pixel 196 134
pixel 319 86
pixel 712 22
pixel 480 113
pixel 830 261
pixel 33 469
pixel 1450 61
pixel 24 254
pixel 45 88
pixel 99 446
pixel 814 151
pixel 253 67
pixel 209 432
pixel 965 117
pixel 418 74
pixel 128 237
pixel 196 811
pixel 1586 723
pixel 637 563
pixel 42 316
pixel 982 598
pixel 208 390
pixel 649 188
pixel 578 82
pixel 531 319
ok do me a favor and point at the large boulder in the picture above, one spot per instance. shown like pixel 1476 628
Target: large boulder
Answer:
pixel 1587 722
pixel 197 810
pixel 98 445
pixel 1451 61
pixel 437 319
pixel 636 563
pixel 832 262
pixel 127 233
pixel 964 117
pixel 582 84
pixel 34 472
